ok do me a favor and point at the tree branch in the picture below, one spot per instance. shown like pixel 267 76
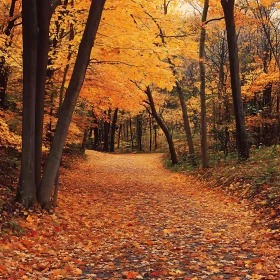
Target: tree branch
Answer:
pixel 213 19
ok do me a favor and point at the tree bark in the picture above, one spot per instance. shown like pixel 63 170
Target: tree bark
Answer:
pixel 162 126
pixel 131 134
pixel 139 132
pixel 119 135
pixel 70 100
pixel 241 135
pixel 4 68
pixel 113 130
pixel 26 193
pixel 43 16
pixel 187 127
pixel 106 131
pixel 151 132
pixel 203 121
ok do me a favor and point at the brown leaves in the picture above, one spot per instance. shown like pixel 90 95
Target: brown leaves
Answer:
pixel 125 217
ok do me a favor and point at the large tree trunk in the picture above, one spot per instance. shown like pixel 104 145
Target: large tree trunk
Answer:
pixel 162 126
pixel 26 193
pixel 203 121
pixel 113 130
pixel 241 135
pixel 70 100
pixel 187 127
pixel 44 15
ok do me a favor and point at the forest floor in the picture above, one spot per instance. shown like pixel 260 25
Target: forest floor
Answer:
pixel 127 217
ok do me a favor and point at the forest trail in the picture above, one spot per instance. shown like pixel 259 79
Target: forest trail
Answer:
pixel 126 217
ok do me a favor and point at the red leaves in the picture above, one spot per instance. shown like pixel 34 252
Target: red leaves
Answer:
pixel 148 224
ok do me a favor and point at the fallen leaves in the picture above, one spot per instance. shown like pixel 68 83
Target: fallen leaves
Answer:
pixel 149 225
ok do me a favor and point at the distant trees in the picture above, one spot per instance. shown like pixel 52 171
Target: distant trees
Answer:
pixel 195 77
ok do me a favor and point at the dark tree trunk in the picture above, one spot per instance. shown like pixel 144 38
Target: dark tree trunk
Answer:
pixel 203 121
pixel 70 100
pixel 241 135
pixel 113 130
pixel 131 133
pixel 106 131
pixel 139 133
pixel 151 132
pixel 162 126
pixel 44 15
pixel 119 135
pixel 221 78
pixel 27 189
pixel 4 68
pixel 155 128
pixel 85 139
pixel 4 75
pixel 187 127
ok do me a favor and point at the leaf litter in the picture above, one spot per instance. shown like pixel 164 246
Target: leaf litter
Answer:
pixel 126 217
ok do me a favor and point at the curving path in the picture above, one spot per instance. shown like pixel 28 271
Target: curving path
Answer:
pixel 151 223
pixel 126 217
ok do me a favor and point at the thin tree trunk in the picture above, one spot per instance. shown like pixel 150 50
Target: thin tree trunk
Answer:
pixel 139 133
pixel 187 127
pixel 4 75
pixel 221 78
pixel 151 132
pixel 70 100
pixel 203 121
pixel 241 135
pixel 85 138
pixel 113 130
pixel 131 134
pixel 156 145
pixel 162 126
pixel 26 193
pixel 119 135
pixel 106 126
pixel 4 68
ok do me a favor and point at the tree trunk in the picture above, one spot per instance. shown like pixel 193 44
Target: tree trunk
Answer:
pixel 241 135
pixel 106 126
pixel 203 121
pixel 119 135
pixel 139 133
pixel 156 145
pixel 151 131
pixel 70 100
pixel 85 139
pixel 162 126
pixel 44 15
pixel 187 127
pixel 4 75
pixel 26 193
pixel 113 130
pixel 4 68
pixel 131 133
pixel 221 78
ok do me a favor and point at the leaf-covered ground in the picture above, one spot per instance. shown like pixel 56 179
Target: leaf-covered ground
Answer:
pixel 126 217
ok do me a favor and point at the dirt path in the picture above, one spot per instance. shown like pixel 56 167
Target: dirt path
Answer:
pixel 126 217
pixel 153 223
